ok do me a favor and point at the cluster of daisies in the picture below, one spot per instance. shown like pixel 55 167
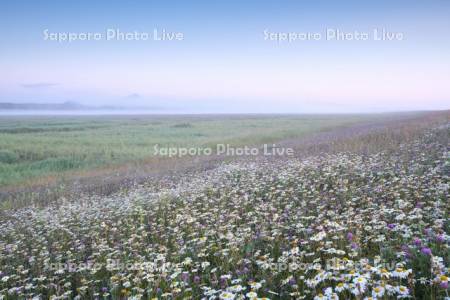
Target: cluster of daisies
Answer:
pixel 341 226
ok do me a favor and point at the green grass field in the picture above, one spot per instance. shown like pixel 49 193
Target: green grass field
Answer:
pixel 32 147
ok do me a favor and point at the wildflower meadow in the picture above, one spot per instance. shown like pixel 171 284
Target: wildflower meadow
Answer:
pixel 340 225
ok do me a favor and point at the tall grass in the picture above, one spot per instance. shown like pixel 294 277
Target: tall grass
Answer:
pixel 35 147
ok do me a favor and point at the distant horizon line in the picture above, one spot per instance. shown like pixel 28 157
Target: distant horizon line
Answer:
pixel 76 108
pixel 6 113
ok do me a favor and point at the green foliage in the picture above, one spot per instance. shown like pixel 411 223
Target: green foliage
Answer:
pixel 8 157
pixel 40 146
pixel 55 164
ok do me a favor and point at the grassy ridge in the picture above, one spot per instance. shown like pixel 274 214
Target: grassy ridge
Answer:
pixel 32 147
pixel 363 219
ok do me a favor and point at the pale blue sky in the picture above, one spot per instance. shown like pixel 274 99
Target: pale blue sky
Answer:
pixel 223 64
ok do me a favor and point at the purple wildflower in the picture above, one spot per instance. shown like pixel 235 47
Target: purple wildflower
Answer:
pixel 426 251
pixel 223 283
pixel 196 279
pixel 349 236
pixel 406 251
pixel 185 276
pixel 417 242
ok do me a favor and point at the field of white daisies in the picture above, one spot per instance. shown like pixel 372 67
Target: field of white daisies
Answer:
pixel 330 226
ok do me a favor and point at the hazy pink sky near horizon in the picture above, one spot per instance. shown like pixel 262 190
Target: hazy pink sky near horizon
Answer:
pixel 225 64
